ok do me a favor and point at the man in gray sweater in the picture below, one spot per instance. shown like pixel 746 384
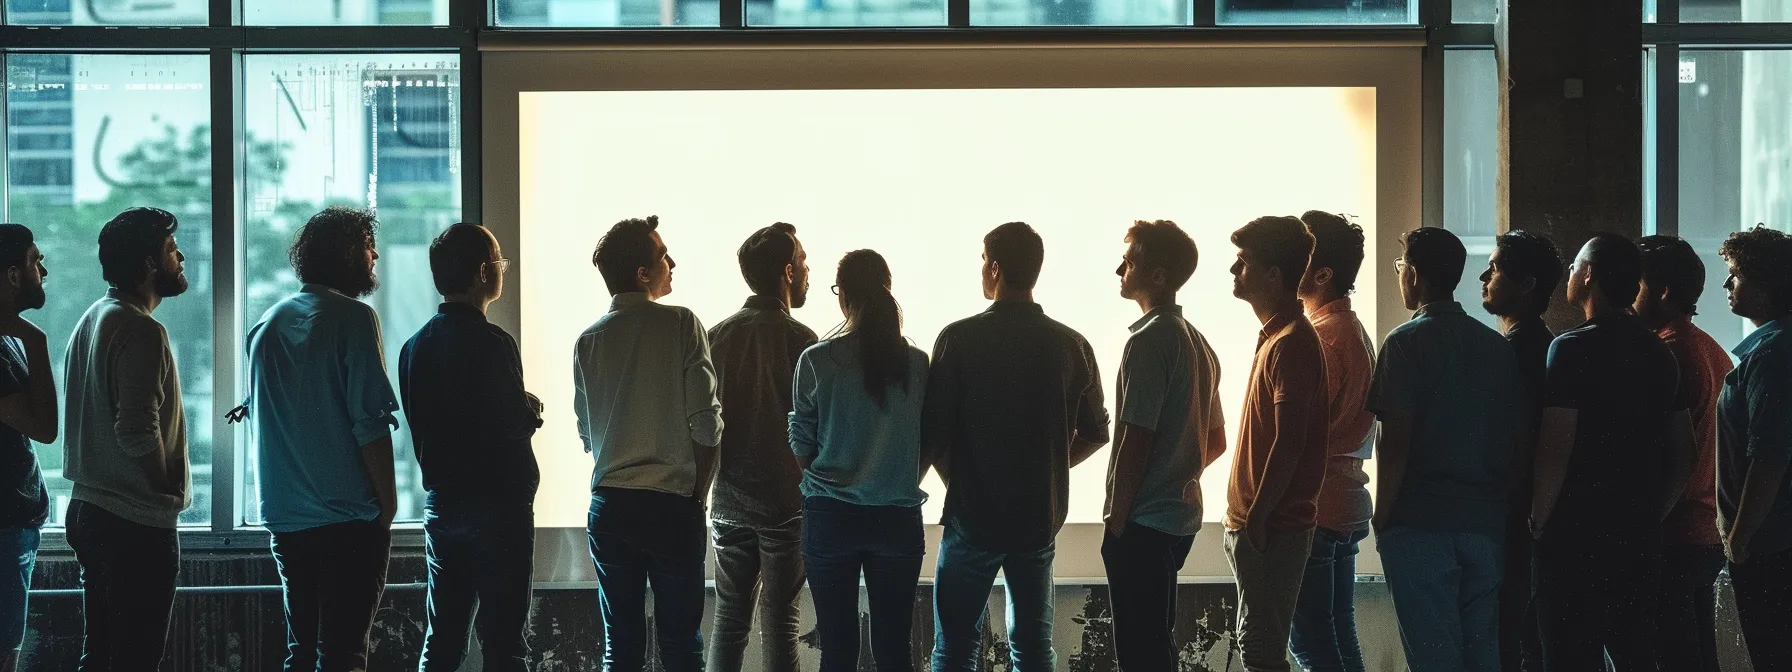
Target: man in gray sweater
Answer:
pixel 125 447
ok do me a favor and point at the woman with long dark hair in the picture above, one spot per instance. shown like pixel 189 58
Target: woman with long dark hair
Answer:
pixel 856 429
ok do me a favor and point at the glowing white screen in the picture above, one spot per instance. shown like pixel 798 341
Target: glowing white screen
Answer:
pixel 921 176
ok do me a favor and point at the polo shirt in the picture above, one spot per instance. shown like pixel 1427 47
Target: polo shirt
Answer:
pixel 1754 417
pixel 1703 365
pixel 1288 373
pixel 1169 384
pixel 1344 503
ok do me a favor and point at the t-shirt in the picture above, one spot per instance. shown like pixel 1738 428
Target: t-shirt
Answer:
pixel 1624 384
pixel 1530 339
pixel 1169 384
pixel 1288 373
pixel 1703 365
pixel 1457 379
pixel 1754 416
pixel 1344 503
pixel 23 500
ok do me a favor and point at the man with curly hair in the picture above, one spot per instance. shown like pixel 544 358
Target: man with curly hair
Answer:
pixel 321 409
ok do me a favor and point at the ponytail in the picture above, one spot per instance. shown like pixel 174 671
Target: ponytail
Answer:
pixel 874 323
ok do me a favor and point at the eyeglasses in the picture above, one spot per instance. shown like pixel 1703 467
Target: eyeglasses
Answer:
pixel 502 264
pixel 835 289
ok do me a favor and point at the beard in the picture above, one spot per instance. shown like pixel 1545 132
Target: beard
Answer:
pixel 170 283
pixel 32 297
pixel 799 292
pixel 364 283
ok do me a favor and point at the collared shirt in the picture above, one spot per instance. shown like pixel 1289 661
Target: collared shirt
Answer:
pixel 1169 385
pixel 23 500
pixel 1009 392
pixel 755 352
pixel 1754 416
pixel 1623 383
pixel 1458 381
pixel 645 395
pixel 1344 503
pixel 1703 365
pixel 1287 376
pixel 862 452
pixel 461 380
pixel 318 392
pixel 121 403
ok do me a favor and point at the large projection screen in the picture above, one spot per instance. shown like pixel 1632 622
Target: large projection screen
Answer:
pixel 918 160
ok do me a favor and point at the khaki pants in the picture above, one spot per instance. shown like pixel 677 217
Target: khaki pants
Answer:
pixel 1268 588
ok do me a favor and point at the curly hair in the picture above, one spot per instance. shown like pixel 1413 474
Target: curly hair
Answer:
pixel 1763 256
pixel 327 250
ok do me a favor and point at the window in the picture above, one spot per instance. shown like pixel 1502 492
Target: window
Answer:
pixel 1285 12
pixel 1474 11
pixel 1081 12
pixel 106 12
pixel 1751 11
pixel 368 131
pixel 614 13
pixel 365 13
pixel 87 137
pixel 846 12
pixel 1471 161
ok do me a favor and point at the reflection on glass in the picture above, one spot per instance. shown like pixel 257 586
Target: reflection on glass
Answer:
pixel 1474 11
pixel 846 12
pixel 378 131
pixel 339 13
pixel 1735 153
pixel 607 13
pixel 87 137
pixel 1294 12
pixel 1751 11
pixel 1471 161
pixel 106 12
pixel 1081 12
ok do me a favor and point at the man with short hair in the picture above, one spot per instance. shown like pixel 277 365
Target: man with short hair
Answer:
pixel 1450 404
pixel 321 410
pixel 1013 402
pixel 27 413
pixel 1323 638
pixel 1282 450
pixel 1521 277
pixel 1170 428
pixel 644 392
pixel 1692 552
pixel 461 381
pixel 758 512
pixel 1611 454
pixel 125 446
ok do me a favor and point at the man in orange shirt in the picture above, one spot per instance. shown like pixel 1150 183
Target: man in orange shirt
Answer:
pixel 1281 441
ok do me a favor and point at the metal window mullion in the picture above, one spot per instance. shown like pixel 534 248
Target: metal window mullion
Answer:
pixel 1431 135
pixel 472 173
pixel 6 138
pixel 1667 140
pixel 958 13
pixel 1207 13
pixel 227 256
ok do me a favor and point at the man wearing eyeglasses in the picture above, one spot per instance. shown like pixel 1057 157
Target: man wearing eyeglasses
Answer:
pixel 461 381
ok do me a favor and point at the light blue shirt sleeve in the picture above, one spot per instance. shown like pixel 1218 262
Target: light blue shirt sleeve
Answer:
pixel 371 403
pixel 804 416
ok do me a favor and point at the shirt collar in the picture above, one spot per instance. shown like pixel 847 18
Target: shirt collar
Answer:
pixel 1758 337
pixel 1439 308
pixel 628 300
pixel 1171 309
pixel 1529 323
pixel 314 288
pixel 1341 305
pixel 458 309
pixel 1679 325
pixel 762 302
pixel 120 296
pixel 1277 322
pixel 1008 305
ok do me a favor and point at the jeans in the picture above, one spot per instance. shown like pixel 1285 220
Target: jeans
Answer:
pixel 1520 650
pixel 1324 635
pixel 1763 588
pixel 1268 589
pixel 333 578
pixel 127 588
pixel 1686 634
pixel 17 544
pixel 760 566
pixel 1446 588
pixel 481 554
pixel 961 588
pixel 641 538
pixel 886 543
pixel 1596 597
pixel 1142 566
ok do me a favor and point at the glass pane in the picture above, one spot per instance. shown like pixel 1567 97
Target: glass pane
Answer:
pixel 608 13
pixel 1752 11
pixel 378 131
pixel 846 12
pixel 1081 12
pixel 1287 12
pixel 351 13
pixel 107 12
pixel 87 137
pixel 1474 11
pixel 1471 156
pixel 1735 160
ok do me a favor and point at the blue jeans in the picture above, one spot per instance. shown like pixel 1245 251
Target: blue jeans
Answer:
pixel 1446 596
pixel 643 537
pixel 480 555
pixel 885 542
pixel 1323 638
pixel 332 578
pixel 17 544
pixel 961 603
pixel 757 567
pixel 128 572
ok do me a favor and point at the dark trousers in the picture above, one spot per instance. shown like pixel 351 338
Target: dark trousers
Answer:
pixel 481 554
pixel 127 588
pixel 333 577
pixel 1324 635
pixel 1596 597
pixel 1142 566
pixel 757 567
pixel 1763 588
pixel 641 538
pixel 1686 631
pixel 1520 650
pixel 886 543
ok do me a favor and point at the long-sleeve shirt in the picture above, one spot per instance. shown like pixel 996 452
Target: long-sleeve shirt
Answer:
pixel 122 404
pixel 755 353
pixel 645 395
pixel 318 392
pixel 461 380
pixel 1344 503
pixel 862 453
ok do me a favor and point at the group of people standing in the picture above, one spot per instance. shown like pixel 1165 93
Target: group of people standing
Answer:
pixel 1543 502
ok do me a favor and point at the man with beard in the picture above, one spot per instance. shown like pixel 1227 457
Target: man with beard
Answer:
pixel 126 446
pixel 757 517
pixel 321 409
pixel 27 413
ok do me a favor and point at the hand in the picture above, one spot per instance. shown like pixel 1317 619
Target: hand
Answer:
pixel 1116 527
pixel 534 403
pixel 1736 549
pixel 1258 537
pixel 1379 522
pixel 19 327
pixel 387 513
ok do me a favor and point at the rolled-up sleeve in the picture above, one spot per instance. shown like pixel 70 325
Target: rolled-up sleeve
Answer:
pixel 1769 387
pixel 1092 410
pixel 580 404
pixel 368 391
pixel 803 412
pixel 143 364
pixel 703 409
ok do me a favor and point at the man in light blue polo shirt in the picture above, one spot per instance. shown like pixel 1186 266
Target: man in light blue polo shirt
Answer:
pixel 320 409
pixel 1171 427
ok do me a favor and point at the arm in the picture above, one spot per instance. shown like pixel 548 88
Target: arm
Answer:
pixel 1132 456
pixel 376 458
pixel 1759 492
pixel 1555 444
pixel 1091 414
pixel 703 409
pixel 939 409
pixel 1391 458
pixel 137 419
pixel 1768 384
pixel 1291 420
pixel 370 407
pixel 579 403
pixel 1682 452
pixel 31 408
pixel 512 414
pixel 804 416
